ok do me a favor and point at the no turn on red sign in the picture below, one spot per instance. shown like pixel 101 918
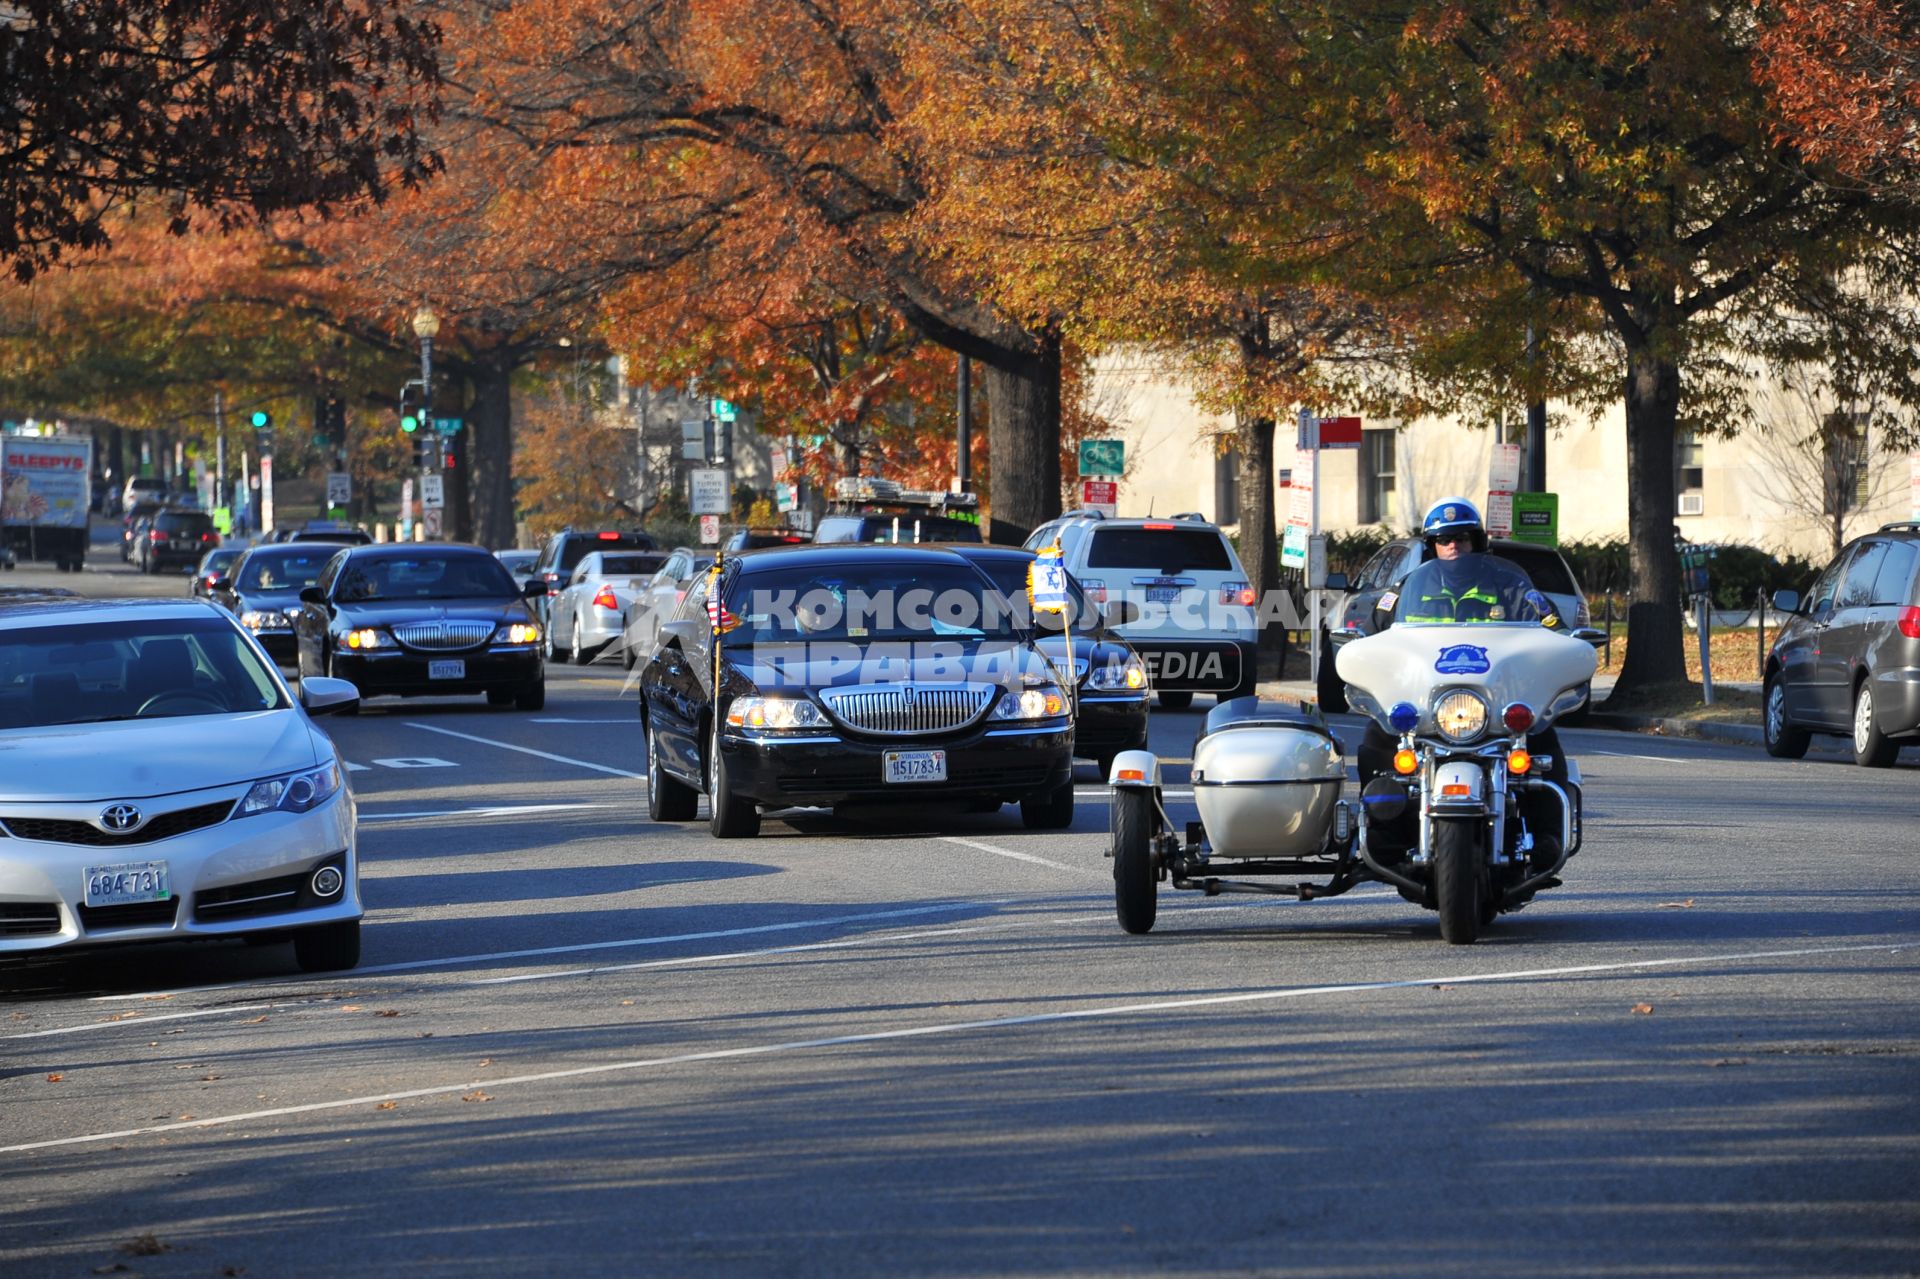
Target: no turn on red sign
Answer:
pixel 1101 495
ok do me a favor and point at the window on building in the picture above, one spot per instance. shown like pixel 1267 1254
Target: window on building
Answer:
pixel 1690 474
pixel 1844 476
pixel 1378 503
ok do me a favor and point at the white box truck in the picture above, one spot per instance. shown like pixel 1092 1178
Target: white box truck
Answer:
pixel 46 493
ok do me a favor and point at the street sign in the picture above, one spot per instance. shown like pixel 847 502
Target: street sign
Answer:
pixel 693 441
pixel 786 497
pixel 707 492
pixel 709 529
pixel 1536 518
pixel 433 491
pixel 434 520
pixel 1499 514
pixel 725 411
pixel 1293 546
pixel 1101 495
pixel 1503 470
pixel 1339 432
pixel 447 425
pixel 1103 457
pixel 801 519
pixel 339 488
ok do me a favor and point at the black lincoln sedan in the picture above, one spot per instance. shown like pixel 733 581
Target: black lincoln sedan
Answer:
pixel 852 673
pixel 422 619
pixel 262 588
pixel 1111 678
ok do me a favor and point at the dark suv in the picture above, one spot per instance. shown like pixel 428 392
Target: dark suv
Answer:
pixel 563 552
pixel 174 539
pixel 1349 615
pixel 1848 658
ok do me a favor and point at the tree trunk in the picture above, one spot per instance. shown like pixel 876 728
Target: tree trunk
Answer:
pixel 1259 542
pixel 1655 649
pixel 491 450
pixel 1023 442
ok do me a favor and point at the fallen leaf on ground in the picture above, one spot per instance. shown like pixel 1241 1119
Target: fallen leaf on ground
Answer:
pixel 147 1245
pixel 351 1008
pixel 387 1105
pixel 476 1095
pixel 1685 905
pixel 55 1078
pixel 486 1061
pixel 254 1021
pixel 388 1012
pixel 1643 1008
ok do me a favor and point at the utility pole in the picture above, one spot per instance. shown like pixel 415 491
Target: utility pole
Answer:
pixel 963 439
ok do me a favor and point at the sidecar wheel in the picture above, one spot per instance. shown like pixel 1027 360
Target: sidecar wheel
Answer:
pixel 1459 878
pixel 1134 891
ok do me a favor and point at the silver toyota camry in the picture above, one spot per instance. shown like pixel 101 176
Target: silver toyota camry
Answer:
pixel 159 782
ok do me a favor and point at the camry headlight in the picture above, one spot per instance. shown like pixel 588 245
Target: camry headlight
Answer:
pixel 264 619
pixel 1130 674
pixel 1031 703
pixel 1460 716
pixel 775 713
pixel 517 633
pixel 364 638
pixel 294 793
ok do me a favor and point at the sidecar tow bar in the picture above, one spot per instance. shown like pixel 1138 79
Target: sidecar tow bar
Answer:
pixel 1305 892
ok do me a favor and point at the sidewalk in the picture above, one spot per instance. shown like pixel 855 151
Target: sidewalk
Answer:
pixel 1704 726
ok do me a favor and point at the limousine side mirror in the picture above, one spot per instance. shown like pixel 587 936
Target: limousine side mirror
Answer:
pixel 220 584
pixel 687 633
pixel 312 595
pixel 533 590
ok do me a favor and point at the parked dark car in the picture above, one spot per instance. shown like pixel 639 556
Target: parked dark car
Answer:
pixel 1349 612
pixel 263 588
pixel 174 538
pixel 133 525
pixel 833 689
pixel 212 567
pixel 422 619
pixel 1847 661
pixel 1110 677
pixel 563 551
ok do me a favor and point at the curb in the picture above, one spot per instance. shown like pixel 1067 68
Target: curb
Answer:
pixel 1706 730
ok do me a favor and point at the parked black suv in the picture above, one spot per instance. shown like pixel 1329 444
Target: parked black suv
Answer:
pixel 174 539
pixel 563 552
pixel 1847 660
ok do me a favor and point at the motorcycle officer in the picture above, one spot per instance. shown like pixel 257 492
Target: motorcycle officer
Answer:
pixel 1462 582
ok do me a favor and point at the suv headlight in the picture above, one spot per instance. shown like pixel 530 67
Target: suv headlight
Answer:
pixel 1131 674
pixel 517 633
pixel 294 793
pixel 1460 716
pixel 778 714
pixel 1043 702
pixel 363 639
pixel 264 619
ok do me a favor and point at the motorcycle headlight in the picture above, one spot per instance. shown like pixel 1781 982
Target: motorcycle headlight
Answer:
pixel 778 714
pixel 1460 716
pixel 364 638
pixel 517 633
pixel 1043 702
pixel 264 619
pixel 293 793
pixel 1130 674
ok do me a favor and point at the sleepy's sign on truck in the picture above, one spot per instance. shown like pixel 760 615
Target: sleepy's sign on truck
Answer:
pixel 46 492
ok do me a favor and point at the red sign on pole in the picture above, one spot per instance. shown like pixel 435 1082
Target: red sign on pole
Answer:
pixel 1103 494
pixel 1339 432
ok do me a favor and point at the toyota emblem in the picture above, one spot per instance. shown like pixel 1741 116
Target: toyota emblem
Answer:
pixel 120 817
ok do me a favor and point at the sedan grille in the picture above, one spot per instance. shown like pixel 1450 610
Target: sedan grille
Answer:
pixel 905 709
pixel 165 826
pixel 28 919
pixel 443 635
pixel 237 901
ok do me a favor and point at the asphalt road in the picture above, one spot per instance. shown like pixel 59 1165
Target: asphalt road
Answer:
pixel 918 1043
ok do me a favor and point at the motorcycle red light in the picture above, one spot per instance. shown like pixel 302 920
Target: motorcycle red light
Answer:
pixel 1518 717
pixel 1909 623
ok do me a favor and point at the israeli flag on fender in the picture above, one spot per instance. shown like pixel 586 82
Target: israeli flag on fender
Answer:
pixel 1047 581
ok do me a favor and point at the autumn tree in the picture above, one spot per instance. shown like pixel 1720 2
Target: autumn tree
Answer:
pixel 241 108
pixel 1844 76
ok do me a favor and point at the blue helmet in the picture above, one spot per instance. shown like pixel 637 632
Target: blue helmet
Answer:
pixel 1454 515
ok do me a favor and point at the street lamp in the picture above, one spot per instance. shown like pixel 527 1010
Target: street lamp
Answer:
pixel 425 325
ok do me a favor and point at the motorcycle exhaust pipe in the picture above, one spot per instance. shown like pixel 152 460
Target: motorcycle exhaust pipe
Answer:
pixel 1533 883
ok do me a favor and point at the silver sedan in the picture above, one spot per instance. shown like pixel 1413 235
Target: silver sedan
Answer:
pixel 586 615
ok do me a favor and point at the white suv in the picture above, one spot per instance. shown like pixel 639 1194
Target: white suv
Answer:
pixel 1195 624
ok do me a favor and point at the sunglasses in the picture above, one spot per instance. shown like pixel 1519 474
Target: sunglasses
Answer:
pixel 1443 539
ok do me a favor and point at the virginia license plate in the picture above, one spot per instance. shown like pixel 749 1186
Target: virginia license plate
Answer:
pixel 447 668
pixel 915 766
pixel 1162 594
pixel 127 882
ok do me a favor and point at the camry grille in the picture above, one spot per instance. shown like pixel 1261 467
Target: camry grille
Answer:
pixel 443 635
pixel 164 826
pixel 904 709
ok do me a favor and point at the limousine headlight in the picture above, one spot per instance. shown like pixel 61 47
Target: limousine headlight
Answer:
pixel 1043 702
pixel 517 633
pixel 264 619
pixel 1131 674
pixel 776 713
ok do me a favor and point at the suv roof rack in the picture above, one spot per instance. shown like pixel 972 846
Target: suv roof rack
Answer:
pixel 1081 513
pixel 851 491
pixel 1901 526
pixel 1191 517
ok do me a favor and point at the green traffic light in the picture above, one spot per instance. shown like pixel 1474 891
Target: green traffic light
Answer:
pixel 409 424
pixel 262 419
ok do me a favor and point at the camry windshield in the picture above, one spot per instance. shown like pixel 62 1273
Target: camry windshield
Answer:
pixel 869 600
pixel 283 572
pixel 143 669
pixel 423 577
pixel 1469 591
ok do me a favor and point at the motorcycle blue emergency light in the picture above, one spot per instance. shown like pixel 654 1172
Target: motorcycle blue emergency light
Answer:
pixel 1405 717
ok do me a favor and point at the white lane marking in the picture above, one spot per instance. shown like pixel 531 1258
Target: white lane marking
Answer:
pixel 1008 852
pixel 528 750
pixel 1658 759
pixel 416 761
pixel 140 1019
pixel 1099 1012
pixel 685 961
pixel 562 720
pixel 505 810
pixel 358 768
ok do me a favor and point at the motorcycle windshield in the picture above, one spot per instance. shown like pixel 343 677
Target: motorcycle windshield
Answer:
pixel 1474 590
pixel 1500 662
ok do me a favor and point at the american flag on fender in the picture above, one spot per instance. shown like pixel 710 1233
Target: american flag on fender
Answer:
pixel 718 617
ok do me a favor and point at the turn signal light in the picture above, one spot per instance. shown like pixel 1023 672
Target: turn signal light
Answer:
pixel 1131 775
pixel 1518 762
pixel 1405 762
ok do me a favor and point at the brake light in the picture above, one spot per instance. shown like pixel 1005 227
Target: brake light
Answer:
pixel 1909 623
pixel 605 599
pixel 1518 717
pixel 1094 589
pixel 1236 593
pixel 608 537
pixel 155 535
pixel 1161 527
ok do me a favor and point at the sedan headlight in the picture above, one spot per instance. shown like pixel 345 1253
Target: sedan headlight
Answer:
pixel 775 713
pixel 294 793
pixel 1131 674
pixel 1461 716
pixel 1044 702
pixel 517 633
pixel 264 619
pixel 364 638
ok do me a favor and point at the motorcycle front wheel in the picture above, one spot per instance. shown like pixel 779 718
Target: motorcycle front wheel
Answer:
pixel 1459 877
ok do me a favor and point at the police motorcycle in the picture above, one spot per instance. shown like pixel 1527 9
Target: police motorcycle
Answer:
pixel 1463 818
